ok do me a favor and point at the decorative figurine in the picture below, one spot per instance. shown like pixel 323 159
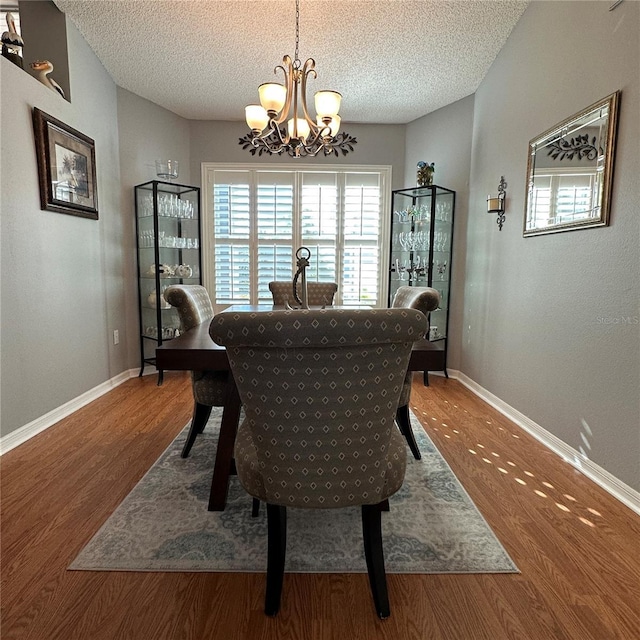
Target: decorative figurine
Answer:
pixel 165 270
pixel 425 173
pixel 183 271
pixel 44 68
pixel 12 42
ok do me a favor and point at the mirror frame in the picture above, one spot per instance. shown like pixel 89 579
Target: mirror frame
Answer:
pixel 558 131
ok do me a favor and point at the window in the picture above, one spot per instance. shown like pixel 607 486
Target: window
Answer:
pixel 255 219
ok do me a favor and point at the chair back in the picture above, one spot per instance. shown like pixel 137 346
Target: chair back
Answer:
pixel 209 387
pixel 319 293
pixel 423 299
pixel 320 391
pixel 193 304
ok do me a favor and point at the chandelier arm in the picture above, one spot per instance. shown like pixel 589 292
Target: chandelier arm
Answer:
pixel 276 132
pixel 271 137
pixel 307 70
pixel 272 141
pixel 289 73
pixel 294 115
pixel 317 138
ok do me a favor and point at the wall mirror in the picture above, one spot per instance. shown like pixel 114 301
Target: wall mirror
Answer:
pixel 569 171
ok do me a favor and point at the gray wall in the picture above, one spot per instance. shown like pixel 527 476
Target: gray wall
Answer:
pixel 545 318
pixel 147 132
pixel 62 276
pixel 444 137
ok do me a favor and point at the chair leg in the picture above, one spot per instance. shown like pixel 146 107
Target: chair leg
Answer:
pixel 372 536
pixel 201 413
pixel 404 424
pixel 277 546
pixel 255 508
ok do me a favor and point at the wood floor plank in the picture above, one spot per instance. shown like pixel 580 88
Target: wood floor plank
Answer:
pixel 576 546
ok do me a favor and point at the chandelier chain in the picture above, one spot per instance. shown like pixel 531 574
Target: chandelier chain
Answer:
pixel 297 57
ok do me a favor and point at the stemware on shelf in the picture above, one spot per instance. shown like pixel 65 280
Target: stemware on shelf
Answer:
pixel 421 248
pixel 168 243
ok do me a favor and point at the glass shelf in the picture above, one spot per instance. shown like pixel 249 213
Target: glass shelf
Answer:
pixel 167 239
pixel 421 247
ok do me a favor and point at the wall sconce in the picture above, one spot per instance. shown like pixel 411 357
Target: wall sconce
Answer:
pixel 496 205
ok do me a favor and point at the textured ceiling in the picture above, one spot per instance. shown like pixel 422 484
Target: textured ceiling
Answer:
pixel 392 60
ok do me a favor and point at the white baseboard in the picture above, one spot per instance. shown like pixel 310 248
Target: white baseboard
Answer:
pixel 618 489
pixel 22 434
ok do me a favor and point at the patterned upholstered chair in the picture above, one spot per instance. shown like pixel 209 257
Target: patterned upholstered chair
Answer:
pixel 209 387
pixel 423 299
pixel 320 390
pixel 319 293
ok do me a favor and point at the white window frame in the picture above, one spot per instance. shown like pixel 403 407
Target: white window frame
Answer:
pixel 208 170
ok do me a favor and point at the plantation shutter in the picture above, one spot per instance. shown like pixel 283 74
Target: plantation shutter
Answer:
pixel 231 231
pixel 362 217
pixel 274 229
pixel 319 224
pixel 261 217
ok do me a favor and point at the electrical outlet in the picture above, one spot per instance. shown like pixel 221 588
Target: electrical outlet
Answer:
pixel 116 336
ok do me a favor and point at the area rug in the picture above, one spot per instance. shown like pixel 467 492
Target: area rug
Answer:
pixel 163 524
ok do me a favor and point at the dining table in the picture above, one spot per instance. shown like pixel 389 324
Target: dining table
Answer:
pixel 195 350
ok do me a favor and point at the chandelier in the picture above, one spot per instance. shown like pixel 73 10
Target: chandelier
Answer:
pixel 302 136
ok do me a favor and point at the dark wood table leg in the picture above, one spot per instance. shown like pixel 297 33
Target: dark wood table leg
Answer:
pixel 224 455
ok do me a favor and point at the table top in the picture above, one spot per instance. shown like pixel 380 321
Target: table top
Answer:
pixel 194 350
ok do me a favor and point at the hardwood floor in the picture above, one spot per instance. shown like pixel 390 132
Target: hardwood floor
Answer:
pixel 576 546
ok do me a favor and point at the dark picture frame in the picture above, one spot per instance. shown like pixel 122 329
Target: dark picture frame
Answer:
pixel 66 167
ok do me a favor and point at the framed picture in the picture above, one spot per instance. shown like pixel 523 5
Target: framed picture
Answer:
pixel 66 168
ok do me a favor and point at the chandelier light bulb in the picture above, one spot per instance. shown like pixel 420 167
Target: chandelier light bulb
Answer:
pixel 256 116
pixel 327 103
pixel 303 129
pixel 272 96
